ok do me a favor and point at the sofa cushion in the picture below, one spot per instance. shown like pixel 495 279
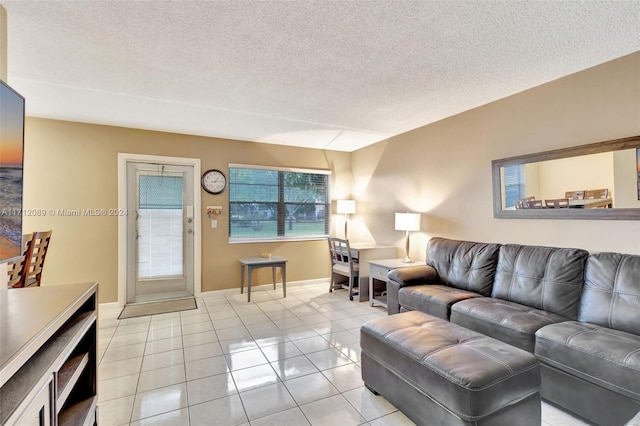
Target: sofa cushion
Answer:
pixel 503 320
pixel 470 374
pixel 600 355
pixel 611 295
pixel 462 264
pixel 434 300
pixel 545 278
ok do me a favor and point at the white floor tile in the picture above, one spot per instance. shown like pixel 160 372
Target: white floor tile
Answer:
pixel 274 361
pixel 225 411
pixel 159 401
pixel 266 400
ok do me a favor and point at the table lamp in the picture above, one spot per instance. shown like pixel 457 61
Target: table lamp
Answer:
pixel 346 207
pixel 407 222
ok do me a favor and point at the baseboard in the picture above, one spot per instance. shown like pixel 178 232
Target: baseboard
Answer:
pixel 265 287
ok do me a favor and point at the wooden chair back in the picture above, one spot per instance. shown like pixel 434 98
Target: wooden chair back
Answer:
pixel 17 268
pixel 523 203
pixel 40 245
pixel 558 203
pixel 532 204
pixel 574 195
pixel 592 194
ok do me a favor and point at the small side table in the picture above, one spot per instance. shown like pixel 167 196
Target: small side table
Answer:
pixel 252 263
pixel 378 270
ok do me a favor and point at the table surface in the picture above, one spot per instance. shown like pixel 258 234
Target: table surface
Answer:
pixel 395 263
pixel 262 260
pixel 590 202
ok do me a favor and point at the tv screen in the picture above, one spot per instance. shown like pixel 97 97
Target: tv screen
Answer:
pixel 11 161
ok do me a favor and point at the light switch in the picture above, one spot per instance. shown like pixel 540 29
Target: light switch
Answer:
pixel 214 223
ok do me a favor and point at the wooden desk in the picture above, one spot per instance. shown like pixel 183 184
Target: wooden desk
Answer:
pixel 272 262
pixel 366 252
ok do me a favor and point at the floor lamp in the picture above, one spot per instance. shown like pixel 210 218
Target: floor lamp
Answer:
pixel 407 222
pixel 346 207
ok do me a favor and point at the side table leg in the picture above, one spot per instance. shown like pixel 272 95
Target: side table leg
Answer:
pixel 273 272
pixel 284 279
pixel 249 283
pixel 241 278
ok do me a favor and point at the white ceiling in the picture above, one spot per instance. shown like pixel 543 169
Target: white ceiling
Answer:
pixel 326 74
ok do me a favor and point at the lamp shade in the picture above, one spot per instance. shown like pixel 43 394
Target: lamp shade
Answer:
pixel 346 207
pixel 407 221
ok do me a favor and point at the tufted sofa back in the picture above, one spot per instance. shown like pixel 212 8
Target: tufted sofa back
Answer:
pixel 463 264
pixel 545 278
pixel 611 295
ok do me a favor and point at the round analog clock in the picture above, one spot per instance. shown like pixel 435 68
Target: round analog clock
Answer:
pixel 214 181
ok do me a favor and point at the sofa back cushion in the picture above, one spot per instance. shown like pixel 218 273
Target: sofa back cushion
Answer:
pixel 611 295
pixel 546 278
pixel 463 264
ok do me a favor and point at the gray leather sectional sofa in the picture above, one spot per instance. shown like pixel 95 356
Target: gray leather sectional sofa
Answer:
pixel 578 313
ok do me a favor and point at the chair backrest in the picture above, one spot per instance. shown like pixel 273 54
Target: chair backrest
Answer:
pixel 574 195
pixel 523 203
pixel 17 268
pixel 40 245
pixel 340 252
pixel 558 203
pixel 532 204
pixel 592 194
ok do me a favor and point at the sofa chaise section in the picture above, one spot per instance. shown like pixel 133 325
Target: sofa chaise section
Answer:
pixel 594 362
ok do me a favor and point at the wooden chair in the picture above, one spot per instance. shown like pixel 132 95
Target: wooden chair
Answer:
pixel 574 195
pixel 40 245
pixel 522 203
pixel 17 267
pixel 532 204
pixel 558 203
pixel 343 263
pixel 592 194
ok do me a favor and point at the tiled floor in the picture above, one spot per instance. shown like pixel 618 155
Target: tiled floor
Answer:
pixel 274 361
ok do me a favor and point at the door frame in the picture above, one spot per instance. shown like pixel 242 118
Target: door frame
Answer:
pixel 123 159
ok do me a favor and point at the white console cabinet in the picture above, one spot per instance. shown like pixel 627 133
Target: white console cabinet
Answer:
pixel 48 359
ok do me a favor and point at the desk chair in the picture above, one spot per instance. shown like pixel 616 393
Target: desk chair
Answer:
pixel 342 263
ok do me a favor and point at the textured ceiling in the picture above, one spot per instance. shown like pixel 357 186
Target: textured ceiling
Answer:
pixel 322 74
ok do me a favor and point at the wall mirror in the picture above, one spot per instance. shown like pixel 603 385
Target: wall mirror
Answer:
pixel 595 181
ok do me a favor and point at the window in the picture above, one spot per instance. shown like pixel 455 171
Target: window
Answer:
pixel 277 204
pixel 513 184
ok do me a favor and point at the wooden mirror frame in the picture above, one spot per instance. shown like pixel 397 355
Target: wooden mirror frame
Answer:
pixel 632 142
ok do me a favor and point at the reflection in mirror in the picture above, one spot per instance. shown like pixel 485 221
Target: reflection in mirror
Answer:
pixel 596 181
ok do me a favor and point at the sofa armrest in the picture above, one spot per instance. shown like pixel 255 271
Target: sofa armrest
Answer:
pixel 404 277
pixel 413 275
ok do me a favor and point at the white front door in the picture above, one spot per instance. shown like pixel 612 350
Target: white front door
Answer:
pixel 160 231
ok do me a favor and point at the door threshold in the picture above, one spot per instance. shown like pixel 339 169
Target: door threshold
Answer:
pixel 156 297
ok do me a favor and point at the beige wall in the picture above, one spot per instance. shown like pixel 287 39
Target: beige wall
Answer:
pixel 3 44
pixel 74 166
pixel 444 169
pixel 593 171
pixel 626 179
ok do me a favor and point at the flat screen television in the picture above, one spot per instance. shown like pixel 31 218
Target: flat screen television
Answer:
pixel 11 178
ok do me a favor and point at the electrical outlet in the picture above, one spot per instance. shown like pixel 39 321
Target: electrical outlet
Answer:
pixel 214 223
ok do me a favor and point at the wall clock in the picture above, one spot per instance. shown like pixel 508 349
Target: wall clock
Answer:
pixel 214 181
